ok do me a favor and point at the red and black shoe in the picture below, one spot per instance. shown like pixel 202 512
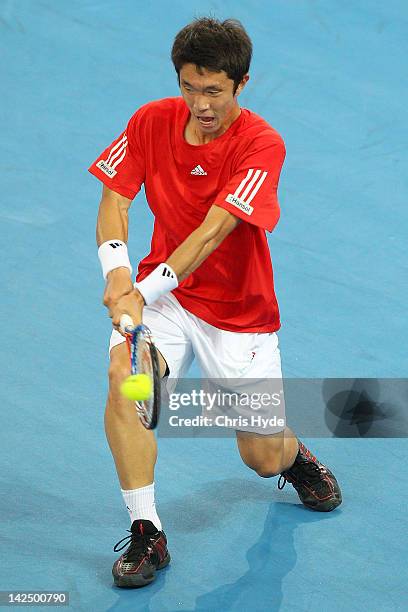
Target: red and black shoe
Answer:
pixel 317 487
pixel 147 553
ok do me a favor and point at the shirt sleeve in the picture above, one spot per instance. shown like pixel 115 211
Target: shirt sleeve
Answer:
pixel 251 192
pixel 121 167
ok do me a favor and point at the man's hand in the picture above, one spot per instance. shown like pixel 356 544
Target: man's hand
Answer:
pixel 130 304
pixel 121 297
pixel 118 284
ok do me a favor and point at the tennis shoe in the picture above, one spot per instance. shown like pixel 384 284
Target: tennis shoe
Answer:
pixel 315 484
pixel 147 552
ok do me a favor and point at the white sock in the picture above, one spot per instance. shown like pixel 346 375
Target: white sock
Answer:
pixel 141 505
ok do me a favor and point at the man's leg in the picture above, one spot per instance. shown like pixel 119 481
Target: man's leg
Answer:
pixel 134 449
pixel 268 455
pixel 284 454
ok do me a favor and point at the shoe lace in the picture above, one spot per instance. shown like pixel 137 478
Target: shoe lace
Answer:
pixel 312 471
pixel 139 545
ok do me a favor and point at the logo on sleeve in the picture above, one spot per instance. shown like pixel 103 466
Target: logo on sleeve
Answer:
pixel 239 204
pixel 115 157
pixel 102 165
pixel 247 190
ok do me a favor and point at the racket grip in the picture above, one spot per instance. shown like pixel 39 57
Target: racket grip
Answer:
pixel 126 324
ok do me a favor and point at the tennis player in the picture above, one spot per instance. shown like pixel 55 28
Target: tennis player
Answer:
pixel 210 170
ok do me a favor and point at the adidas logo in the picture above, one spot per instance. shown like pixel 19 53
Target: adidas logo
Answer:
pixel 167 272
pixel 198 171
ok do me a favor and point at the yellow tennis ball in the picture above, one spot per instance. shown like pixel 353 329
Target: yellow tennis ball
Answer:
pixel 137 387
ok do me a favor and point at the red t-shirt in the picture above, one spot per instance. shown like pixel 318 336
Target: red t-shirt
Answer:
pixel 239 171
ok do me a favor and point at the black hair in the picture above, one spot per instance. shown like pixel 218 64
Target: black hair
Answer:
pixel 214 45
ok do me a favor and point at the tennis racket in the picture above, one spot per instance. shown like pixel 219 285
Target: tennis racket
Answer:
pixel 143 360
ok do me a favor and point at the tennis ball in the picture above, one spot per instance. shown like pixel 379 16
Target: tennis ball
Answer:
pixel 137 387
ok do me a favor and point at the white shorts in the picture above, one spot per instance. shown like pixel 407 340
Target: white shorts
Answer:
pixel 181 336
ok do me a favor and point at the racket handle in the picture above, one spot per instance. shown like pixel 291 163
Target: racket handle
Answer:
pixel 126 324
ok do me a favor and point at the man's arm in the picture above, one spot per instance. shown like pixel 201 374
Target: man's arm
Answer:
pixel 188 256
pixel 191 253
pixel 113 224
pixel 112 217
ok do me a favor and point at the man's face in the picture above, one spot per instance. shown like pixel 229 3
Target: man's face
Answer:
pixel 210 98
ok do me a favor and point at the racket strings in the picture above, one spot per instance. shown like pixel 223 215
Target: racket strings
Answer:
pixel 145 366
pixel 144 360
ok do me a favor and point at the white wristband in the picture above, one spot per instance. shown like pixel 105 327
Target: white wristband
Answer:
pixel 113 254
pixel 160 281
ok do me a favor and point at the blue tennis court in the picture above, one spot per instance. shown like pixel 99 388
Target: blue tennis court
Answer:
pixel 330 78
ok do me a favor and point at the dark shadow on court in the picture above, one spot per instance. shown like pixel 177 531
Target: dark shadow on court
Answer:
pixel 270 559
pixel 211 504
pixel 59 534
